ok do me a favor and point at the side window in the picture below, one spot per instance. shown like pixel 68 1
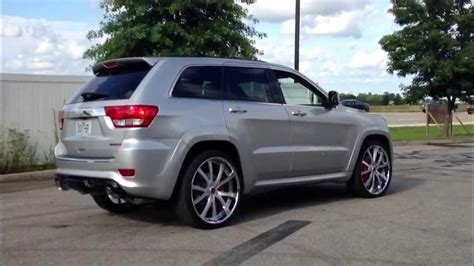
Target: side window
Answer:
pixel 248 84
pixel 296 90
pixel 200 82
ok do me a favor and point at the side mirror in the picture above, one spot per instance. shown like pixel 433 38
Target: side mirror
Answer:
pixel 333 99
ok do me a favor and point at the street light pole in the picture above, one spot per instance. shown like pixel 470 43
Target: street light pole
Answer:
pixel 297 35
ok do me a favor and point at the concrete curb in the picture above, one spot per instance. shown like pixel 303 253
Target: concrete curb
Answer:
pixel 431 142
pixel 49 174
pixel 28 176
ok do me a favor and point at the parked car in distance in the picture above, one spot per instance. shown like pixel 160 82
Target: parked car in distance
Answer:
pixel 205 132
pixel 470 109
pixel 357 104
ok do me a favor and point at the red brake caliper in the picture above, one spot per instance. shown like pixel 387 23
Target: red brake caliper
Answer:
pixel 364 168
pixel 221 188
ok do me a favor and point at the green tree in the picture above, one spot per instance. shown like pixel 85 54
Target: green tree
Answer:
pixel 397 100
pixel 435 46
pixel 346 96
pixel 174 28
pixel 386 98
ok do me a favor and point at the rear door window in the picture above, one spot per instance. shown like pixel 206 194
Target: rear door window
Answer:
pixel 199 82
pixel 113 84
pixel 248 84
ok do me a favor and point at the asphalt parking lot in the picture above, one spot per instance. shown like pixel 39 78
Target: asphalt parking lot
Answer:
pixel 426 218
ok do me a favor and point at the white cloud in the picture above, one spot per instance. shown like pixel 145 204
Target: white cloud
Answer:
pixel 338 18
pixel 14 64
pixel 280 53
pixel 305 66
pixel 75 50
pixel 43 46
pixel 368 60
pixel 342 24
pixel 9 29
pixel 272 11
pixel 330 68
pixel 38 63
pixel 310 54
pixel 283 53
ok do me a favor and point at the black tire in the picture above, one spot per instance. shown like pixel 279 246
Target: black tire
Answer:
pixel 355 184
pixel 184 207
pixel 105 203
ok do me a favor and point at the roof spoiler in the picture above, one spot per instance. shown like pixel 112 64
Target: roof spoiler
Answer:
pixel 151 61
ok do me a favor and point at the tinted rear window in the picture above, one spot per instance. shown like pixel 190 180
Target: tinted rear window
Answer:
pixel 200 82
pixel 113 84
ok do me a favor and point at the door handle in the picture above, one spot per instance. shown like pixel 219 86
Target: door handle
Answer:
pixel 237 110
pixel 298 113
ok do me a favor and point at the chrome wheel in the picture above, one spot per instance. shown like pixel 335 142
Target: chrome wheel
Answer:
pixel 375 169
pixel 215 190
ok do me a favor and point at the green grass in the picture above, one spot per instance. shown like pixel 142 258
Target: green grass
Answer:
pixel 407 108
pixel 419 133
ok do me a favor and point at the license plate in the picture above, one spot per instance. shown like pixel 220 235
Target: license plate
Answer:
pixel 83 128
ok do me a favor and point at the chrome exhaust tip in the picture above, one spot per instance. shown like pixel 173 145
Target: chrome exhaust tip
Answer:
pixel 61 186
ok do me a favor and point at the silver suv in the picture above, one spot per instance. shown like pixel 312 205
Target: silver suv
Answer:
pixel 203 132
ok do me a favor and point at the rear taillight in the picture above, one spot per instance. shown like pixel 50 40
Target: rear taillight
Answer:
pixel 131 115
pixel 127 172
pixel 60 120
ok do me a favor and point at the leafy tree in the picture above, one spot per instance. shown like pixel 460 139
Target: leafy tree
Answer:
pixel 386 98
pixel 397 100
pixel 435 46
pixel 346 96
pixel 370 98
pixel 174 28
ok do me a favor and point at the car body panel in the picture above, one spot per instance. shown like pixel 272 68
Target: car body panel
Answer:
pixel 262 136
pixel 314 150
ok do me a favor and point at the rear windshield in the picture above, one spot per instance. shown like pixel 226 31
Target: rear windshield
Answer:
pixel 113 84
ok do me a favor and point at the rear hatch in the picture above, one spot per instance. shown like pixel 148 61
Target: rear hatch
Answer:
pixel 93 124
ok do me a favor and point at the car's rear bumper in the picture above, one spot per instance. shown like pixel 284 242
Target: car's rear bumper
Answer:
pixel 156 165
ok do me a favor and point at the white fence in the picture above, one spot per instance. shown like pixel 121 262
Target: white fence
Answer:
pixel 30 103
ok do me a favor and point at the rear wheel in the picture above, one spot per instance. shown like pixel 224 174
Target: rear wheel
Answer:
pixel 210 190
pixel 373 171
pixel 112 202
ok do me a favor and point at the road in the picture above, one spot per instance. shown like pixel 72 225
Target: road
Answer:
pixel 426 218
pixel 419 118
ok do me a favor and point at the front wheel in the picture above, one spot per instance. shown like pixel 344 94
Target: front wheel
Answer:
pixel 210 190
pixel 373 171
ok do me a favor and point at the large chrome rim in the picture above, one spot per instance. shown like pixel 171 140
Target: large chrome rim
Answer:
pixel 215 190
pixel 375 169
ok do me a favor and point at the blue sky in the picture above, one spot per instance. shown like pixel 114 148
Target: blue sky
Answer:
pixel 339 39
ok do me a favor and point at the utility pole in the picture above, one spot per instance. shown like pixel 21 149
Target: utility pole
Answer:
pixel 297 35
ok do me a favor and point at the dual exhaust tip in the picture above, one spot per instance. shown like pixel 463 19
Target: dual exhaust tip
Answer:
pixel 61 185
pixel 86 186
